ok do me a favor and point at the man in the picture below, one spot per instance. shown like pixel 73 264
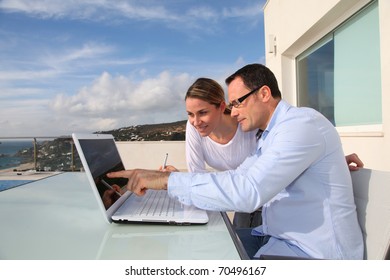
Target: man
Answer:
pixel 297 173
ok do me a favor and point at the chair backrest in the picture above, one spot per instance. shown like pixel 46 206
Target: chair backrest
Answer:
pixel 372 197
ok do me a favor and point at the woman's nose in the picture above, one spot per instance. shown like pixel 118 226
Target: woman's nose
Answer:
pixel 197 120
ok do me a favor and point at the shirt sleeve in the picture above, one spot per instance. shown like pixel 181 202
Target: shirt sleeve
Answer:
pixel 285 154
pixel 194 150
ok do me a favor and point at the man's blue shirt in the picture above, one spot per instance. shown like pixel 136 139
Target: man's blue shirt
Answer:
pixel 299 175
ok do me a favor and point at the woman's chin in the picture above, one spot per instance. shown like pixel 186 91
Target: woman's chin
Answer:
pixel 203 133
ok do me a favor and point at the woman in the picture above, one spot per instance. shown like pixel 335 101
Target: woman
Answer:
pixel 215 141
pixel 213 137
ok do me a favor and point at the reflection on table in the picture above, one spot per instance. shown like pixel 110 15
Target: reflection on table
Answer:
pixel 58 218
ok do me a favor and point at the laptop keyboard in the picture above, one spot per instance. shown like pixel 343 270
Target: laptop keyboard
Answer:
pixel 158 203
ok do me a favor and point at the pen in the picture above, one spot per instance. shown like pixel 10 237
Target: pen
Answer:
pixel 165 161
pixel 110 187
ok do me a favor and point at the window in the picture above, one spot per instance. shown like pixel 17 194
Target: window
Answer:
pixel 340 75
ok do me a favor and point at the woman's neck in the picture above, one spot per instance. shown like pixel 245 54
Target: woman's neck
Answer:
pixel 225 131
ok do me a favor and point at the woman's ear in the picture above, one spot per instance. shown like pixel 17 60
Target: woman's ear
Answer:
pixel 223 106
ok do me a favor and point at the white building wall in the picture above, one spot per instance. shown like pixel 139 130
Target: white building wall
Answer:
pixel 151 154
pixel 293 26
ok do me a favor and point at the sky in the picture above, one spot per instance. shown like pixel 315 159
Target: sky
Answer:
pixel 94 65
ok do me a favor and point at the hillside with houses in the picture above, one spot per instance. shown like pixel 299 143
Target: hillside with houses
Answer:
pixel 60 154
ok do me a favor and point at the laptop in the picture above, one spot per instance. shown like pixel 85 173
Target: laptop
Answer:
pixel 99 156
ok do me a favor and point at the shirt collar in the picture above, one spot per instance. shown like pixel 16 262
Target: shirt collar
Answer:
pixel 280 109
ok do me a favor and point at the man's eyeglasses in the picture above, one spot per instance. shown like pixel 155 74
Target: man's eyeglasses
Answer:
pixel 235 103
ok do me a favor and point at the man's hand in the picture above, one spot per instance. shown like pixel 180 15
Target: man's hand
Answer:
pixel 354 162
pixel 140 179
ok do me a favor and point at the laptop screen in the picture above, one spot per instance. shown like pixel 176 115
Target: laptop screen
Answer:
pixel 102 157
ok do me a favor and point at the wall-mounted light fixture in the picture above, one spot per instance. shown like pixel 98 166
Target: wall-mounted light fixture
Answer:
pixel 271 43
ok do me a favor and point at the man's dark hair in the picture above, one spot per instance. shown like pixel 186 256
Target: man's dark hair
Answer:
pixel 257 75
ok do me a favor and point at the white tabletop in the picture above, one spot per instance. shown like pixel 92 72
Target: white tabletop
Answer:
pixel 58 218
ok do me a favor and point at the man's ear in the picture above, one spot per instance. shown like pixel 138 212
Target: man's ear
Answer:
pixel 265 93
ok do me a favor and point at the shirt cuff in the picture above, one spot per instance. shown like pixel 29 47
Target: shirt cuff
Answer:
pixel 179 187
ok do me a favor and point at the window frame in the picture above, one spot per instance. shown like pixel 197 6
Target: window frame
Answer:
pixel 317 42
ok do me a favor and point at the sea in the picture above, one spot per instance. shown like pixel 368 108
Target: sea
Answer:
pixel 8 159
pixel 8 150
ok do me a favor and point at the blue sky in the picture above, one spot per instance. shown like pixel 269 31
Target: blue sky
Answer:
pixel 83 66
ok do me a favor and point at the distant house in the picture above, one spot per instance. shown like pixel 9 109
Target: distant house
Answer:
pixel 334 56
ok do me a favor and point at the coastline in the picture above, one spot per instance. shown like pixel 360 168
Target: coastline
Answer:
pixel 25 171
pixel 18 168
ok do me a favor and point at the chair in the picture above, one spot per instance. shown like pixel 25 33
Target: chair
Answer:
pixel 371 190
pixel 372 197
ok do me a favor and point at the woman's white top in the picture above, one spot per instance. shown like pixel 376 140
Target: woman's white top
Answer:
pixel 203 150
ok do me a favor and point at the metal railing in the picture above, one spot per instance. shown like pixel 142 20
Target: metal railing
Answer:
pixel 47 152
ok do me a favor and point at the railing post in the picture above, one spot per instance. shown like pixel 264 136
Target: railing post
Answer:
pixel 72 149
pixel 35 154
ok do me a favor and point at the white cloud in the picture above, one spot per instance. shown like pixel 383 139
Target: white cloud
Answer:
pixel 26 117
pixel 87 56
pixel 75 61
pixel 109 102
pixel 115 11
pixel 250 11
pixel 27 75
pixel 112 102
pixel 89 9
pixel 69 83
pixel 87 51
pixel 204 13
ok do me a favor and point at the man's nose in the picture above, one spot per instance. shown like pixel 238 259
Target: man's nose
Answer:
pixel 233 112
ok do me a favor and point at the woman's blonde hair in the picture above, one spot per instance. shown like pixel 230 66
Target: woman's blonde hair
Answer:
pixel 207 90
